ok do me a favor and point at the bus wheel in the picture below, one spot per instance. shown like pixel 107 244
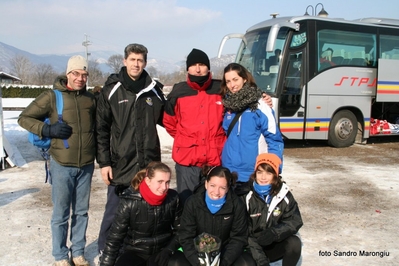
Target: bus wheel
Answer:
pixel 343 129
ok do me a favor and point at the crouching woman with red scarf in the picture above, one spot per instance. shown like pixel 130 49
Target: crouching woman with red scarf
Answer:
pixel 145 222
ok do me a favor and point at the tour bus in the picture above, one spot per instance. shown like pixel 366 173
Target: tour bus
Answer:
pixel 330 79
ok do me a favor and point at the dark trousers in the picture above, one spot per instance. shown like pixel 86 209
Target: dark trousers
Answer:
pixel 109 214
pixel 187 178
pixel 131 258
pixel 288 250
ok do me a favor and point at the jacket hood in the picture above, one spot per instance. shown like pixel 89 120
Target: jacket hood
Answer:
pixel 112 79
pixel 130 193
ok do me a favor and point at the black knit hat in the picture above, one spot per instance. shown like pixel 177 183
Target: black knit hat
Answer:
pixel 197 56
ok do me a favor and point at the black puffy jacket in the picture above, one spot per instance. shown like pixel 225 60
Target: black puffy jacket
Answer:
pixel 143 228
pixel 281 216
pixel 127 137
pixel 229 224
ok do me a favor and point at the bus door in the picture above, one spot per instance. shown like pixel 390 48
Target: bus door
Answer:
pixel 388 81
pixel 292 97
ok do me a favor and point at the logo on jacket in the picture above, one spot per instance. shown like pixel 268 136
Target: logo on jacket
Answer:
pixel 123 101
pixel 226 218
pixel 276 211
pixel 219 103
pixel 149 101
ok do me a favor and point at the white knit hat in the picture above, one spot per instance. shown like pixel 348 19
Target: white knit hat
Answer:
pixel 76 62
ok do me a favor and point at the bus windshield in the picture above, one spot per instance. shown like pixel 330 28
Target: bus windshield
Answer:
pixel 264 66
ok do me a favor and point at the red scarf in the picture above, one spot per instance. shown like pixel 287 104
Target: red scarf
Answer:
pixel 150 197
pixel 196 86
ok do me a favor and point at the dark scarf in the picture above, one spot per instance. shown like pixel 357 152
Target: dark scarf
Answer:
pixel 199 83
pixel 150 197
pixel 247 97
pixel 134 85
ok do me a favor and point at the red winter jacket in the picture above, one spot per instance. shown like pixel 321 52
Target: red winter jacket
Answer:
pixel 193 117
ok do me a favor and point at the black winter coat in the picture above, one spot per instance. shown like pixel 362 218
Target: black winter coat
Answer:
pixel 144 228
pixel 282 217
pixel 127 137
pixel 229 224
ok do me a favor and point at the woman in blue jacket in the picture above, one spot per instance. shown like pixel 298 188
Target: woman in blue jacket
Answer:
pixel 255 131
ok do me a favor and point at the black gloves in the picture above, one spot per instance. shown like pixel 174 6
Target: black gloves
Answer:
pixel 119 189
pixel 162 259
pixel 57 130
pixel 264 261
pixel 266 237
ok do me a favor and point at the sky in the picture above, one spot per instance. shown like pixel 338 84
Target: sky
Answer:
pixel 168 28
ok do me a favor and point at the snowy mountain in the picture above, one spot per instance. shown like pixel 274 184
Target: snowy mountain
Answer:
pixel 59 61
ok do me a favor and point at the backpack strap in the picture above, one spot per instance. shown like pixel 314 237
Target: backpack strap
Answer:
pixel 60 106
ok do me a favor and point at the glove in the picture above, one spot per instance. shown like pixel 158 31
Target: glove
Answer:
pixel 162 259
pixel 119 189
pixel 57 130
pixel 266 238
pixel 264 261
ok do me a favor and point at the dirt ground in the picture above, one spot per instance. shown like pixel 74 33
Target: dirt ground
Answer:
pixel 348 197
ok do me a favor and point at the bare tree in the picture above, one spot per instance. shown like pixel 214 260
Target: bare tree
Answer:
pixel 175 77
pixel 96 76
pixel 115 62
pixel 44 74
pixel 21 66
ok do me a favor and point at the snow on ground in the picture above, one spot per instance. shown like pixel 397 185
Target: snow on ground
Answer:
pixel 346 206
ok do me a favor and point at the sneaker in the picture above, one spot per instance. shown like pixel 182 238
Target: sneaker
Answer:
pixel 80 261
pixel 62 263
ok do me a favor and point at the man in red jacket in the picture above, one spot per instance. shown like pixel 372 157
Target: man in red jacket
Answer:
pixel 194 118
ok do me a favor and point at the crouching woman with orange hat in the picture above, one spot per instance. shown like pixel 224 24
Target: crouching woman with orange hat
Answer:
pixel 274 217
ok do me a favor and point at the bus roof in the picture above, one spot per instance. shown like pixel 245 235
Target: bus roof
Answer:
pixel 384 22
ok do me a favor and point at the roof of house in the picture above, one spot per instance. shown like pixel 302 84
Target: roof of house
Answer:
pixel 4 75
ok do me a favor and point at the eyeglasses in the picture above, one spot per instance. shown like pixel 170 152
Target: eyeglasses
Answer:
pixel 76 74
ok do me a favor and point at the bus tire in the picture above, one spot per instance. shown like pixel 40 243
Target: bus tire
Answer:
pixel 343 129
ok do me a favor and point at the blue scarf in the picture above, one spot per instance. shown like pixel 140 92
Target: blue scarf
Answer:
pixel 263 191
pixel 214 205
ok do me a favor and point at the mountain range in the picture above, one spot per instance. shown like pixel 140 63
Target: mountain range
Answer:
pixel 59 62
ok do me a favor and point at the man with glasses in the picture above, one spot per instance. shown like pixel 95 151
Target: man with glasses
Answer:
pixel 129 107
pixel 71 164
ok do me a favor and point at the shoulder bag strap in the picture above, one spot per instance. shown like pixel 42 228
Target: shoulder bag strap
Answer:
pixel 235 119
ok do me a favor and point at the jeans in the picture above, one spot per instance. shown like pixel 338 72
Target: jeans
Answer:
pixel 70 189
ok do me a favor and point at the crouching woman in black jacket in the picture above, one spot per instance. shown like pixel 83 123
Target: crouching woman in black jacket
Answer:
pixel 215 209
pixel 145 222
pixel 274 217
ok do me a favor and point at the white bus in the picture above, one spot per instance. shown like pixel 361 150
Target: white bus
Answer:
pixel 330 79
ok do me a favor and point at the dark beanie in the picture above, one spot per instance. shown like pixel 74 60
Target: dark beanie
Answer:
pixel 197 56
